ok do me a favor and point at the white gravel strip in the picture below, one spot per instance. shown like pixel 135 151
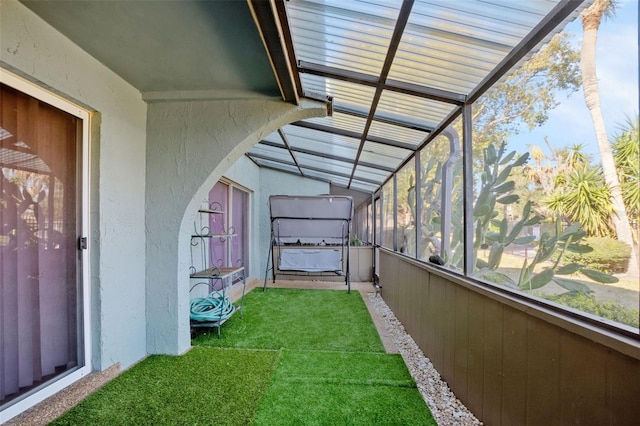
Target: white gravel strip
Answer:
pixel 445 407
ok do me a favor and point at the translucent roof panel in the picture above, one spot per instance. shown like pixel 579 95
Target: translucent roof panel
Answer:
pixel 340 180
pixel 314 162
pixel 323 143
pixel 449 51
pixel 352 35
pixel 275 138
pixel 278 154
pixel 368 173
pixel 341 121
pixel 342 92
pixel 363 186
pixel 383 154
pixel 397 133
pixel 278 166
pixel 424 112
pixel 453 45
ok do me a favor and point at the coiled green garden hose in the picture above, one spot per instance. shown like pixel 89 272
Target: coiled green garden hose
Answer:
pixel 214 307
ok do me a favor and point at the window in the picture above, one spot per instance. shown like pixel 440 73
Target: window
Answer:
pixel 547 223
pixel 44 301
pixel 387 222
pixel 546 219
pixel 363 224
pixel 441 186
pixel 406 209
pixel 231 246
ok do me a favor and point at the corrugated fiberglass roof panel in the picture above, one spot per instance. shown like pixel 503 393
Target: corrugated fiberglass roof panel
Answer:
pixel 452 45
pixel 322 142
pixel 386 155
pixel 330 166
pixel 363 186
pixel 341 121
pixel 352 35
pixel 278 166
pixel 369 173
pixel 342 92
pixel 274 138
pixel 397 133
pixel 277 154
pixel 426 112
pixel 327 177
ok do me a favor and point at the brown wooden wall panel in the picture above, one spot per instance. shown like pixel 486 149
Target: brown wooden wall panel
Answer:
pixel 514 367
pixel 492 380
pixel 461 342
pixel 623 390
pixel 411 298
pixel 449 329
pixel 579 382
pixel 543 373
pixel 508 366
pixel 476 356
pixel 423 308
pixel 436 307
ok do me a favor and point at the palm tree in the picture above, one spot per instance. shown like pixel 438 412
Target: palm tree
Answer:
pixel 584 199
pixel 626 154
pixel 591 18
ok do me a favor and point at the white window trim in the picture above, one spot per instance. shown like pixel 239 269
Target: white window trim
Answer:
pixel 56 101
pixel 231 184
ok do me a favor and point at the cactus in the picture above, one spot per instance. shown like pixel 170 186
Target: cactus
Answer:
pixel 496 188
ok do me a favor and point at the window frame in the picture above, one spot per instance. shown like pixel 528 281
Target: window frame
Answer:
pixel 228 218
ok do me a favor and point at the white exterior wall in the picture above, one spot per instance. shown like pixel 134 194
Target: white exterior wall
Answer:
pixel 151 165
pixel 31 48
pixel 190 145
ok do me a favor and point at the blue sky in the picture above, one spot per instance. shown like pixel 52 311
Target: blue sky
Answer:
pixel 617 69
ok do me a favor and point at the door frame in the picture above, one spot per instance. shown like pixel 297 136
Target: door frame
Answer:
pixel 50 388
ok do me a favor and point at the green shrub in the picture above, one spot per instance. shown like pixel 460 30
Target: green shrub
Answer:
pixel 587 303
pixel 608 255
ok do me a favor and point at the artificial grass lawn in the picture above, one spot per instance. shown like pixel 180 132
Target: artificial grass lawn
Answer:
pixel 203 387
pixel 297 357
pixel 342 388
pixel 331 320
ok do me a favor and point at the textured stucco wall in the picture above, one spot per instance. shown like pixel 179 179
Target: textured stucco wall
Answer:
pixel 31 48
pixel 189 147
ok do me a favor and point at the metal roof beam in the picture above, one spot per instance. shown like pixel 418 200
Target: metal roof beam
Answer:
pixel 288 147
pixel 382 118
pixel 305 67
pixel 314 169
pixel 398 30
pixel 354 135
pixel 276 37
pixel 328 156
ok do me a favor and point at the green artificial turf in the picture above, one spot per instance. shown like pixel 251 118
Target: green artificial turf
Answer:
pixel 206 386
pixel 329 368
pixel 332 320
pixel 342 388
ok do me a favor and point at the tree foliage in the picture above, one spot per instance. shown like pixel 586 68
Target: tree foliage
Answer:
pixel 525 98
pixel 626 154
pixel 586 199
